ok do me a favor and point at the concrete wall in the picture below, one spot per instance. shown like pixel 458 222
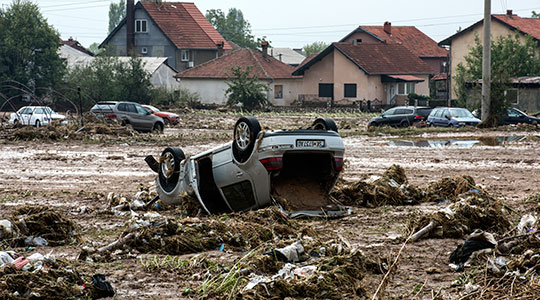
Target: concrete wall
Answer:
pixel 197 56
pixel 461 45
pixel 528 99
pixel 435 63
pixel 291 89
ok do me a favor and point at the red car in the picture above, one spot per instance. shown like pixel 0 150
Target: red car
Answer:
pixel 168 117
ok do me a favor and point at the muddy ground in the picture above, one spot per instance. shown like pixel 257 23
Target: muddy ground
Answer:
pixel 69 174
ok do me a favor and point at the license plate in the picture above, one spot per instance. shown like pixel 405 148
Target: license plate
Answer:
pixel 310 143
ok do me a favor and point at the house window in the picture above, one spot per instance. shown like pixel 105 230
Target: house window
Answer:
pixel 512 96
pixel 350 90
pixel 278 92
pixel 401 89
pixel 326 90
pixel 410 87
pixel 184 55
pixel 141 26
pixel 406 88
pixel 144 50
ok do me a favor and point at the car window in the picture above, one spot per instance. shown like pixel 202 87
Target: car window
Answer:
pixel 436 113
pixel 239 195
pixel 404 111
pixel 423 111
pixel 141 110
pixel 122 107
pixel 26 110
pixel 389 112
pixel 513 113
pixel 39 111
pixel 48 110
pixel 131 108
pixel 152 108
pixel 460 113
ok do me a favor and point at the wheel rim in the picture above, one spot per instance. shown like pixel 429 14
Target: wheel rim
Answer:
pixel 167 164
pixel 242 136
pixel 319 126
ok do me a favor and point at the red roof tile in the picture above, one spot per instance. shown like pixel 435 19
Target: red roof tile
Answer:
pixel 263 67
pixel 384 58
pixel 409 36
pixel 440 76
pixel 530 26
pixel 308 58
pixel 409 78
pixel 76 45
pixel 184 25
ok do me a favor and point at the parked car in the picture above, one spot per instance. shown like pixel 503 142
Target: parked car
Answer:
pixel 36 116
pixel 129 113
pixel 516 116
pixel 401 116
pixel 451 117
pixel 300 165
pixel 168 117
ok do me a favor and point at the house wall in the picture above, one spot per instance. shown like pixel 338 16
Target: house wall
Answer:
pixel 461 45
pixel 320 72
pixel 528 98
pixel 365 37
pixel 435 63
pixel 291 89
pixel 164 77
pixel 197 56
pixel 156 43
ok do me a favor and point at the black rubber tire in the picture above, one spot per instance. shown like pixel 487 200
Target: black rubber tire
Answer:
pixel 324 124
pixel 38 124
pixel 158 127
pixel 166 121
pixel 404 124
pixel 245 135
pixel 168 184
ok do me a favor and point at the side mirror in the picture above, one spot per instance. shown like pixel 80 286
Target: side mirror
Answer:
pixel 148 112
pixel 383 116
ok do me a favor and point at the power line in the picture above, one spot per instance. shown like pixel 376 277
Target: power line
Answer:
pixel 74 3
pixel 74 8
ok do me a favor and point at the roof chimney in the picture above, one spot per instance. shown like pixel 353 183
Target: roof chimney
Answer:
pixel 509 12
pixel 387 27
pixel 130 26
pixel 220 46
pixel 264 46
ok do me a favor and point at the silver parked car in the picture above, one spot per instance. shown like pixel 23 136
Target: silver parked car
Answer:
pixel 36 116
pixel 129 113
pixel 300 166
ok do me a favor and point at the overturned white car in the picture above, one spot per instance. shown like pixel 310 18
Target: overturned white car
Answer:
pixel 300 166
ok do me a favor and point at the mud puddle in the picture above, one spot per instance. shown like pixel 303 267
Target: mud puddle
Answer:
pixel 458 143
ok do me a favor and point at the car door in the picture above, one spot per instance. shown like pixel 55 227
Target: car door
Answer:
pixel 386 117
pixel 24 115
pixel 133 117
pixel 144 118
pixel 445 118
pixel 513 117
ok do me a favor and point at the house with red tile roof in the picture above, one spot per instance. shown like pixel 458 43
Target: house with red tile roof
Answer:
pixel 383 73
pixel 501 25
pixel 210 78
pixel 409 36
pixel 176 30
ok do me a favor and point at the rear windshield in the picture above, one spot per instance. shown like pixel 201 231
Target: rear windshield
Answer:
pixel 460 113
pixel 423 111
pixel 103 106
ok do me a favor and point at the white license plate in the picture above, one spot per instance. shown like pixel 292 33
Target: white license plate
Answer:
pixel 310 144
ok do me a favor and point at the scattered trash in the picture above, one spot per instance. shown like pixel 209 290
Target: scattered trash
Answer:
pixel 5 258
pixel 102 287
pixel 291 253
pixel 478 240
pixel 527 224
pixel 35 241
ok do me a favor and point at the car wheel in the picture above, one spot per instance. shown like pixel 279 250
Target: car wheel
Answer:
pixel 158 127
pixel 404 124
pixel 166 121
pixel 38 124
pixel 245 134
pixel 169 168
pixel 324 124
pixel 429 124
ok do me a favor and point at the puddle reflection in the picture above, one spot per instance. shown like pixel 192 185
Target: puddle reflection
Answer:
pixel 457 143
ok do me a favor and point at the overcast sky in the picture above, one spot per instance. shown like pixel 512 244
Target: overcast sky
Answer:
pixel 293 23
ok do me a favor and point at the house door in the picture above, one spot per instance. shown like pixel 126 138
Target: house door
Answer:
pixel 326 90
pixel 390 92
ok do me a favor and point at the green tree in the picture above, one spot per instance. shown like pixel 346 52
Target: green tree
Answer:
pixel 314 47
pixel 535 14
pixel 246 90
pixel 233 27
pixel 117 11
pixel 28 50
pixel 94 48
pixel 510 57
pixel 107 78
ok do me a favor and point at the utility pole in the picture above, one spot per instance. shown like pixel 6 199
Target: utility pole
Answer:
pixel 486 62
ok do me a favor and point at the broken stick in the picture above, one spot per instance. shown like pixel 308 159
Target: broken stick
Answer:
pixel 420 233
pixel 118 243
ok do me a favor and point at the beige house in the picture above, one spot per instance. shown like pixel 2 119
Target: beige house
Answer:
pixel 209 80
pixel 382 73
pixel 501 25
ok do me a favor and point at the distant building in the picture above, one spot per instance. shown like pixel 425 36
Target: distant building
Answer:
pixel 176 30
pixel 501 25
pixel 209 79
pixel 287 55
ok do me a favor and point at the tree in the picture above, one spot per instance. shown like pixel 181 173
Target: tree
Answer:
pixel 117 11
pixel 233 27
pixel 94 48
pixel 510 57
pixel 107 78
pixel 314 47
pixel 28 50
pixel 246 90
pixel 535 14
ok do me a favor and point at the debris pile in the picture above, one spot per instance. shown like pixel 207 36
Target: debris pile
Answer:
pixel 390 189
pixel 474 210
pixel 45 277
pixel 34 225
pixel 450 188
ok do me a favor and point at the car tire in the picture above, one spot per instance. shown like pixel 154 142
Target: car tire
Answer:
pixel 166 122
pixel 429 124
pixel 169 168
pixel 38 124
pixel 324 124
pixel 245 134
pixel 404 124
pixel 158 127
